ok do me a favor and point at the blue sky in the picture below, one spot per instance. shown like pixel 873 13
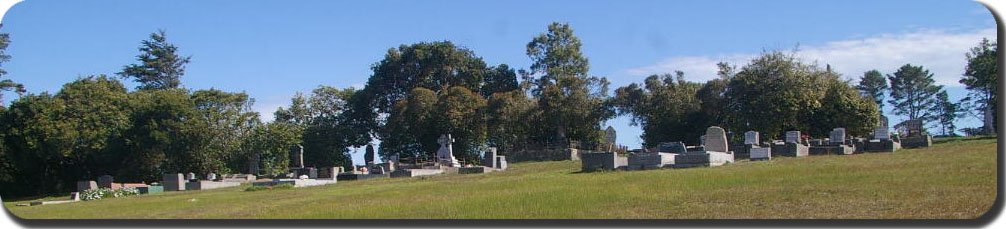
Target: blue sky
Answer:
pixel 273 49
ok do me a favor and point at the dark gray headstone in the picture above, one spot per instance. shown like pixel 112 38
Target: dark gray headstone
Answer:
pixel 837 136
pixel 672 147
pixel 105 181
pixel 86 185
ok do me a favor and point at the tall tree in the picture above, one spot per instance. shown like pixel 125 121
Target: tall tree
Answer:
pixel 913 92
pixel 6 84
pixel 573 104
pixel 160 66
pixel 873 84
pixel 982 79
pixel 947 112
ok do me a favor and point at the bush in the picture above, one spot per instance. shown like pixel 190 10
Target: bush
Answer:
pixel 269 187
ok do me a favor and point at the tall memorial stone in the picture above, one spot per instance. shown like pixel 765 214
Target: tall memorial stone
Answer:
pixel 716 139
pixel 253 163
pixel 298 156
pixel 445 155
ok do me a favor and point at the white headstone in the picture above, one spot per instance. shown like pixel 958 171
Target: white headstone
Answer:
pixel 751 138
pixel 792 136
pixel 446 153
pixel 190 176
pixel 837 135
pixel 716 139
pixel 211 176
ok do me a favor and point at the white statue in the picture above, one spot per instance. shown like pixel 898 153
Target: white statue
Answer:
pixel 446 153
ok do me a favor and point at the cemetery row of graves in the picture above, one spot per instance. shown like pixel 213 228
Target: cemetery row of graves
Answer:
pixel 715 150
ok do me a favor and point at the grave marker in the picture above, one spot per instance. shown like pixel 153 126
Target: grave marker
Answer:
pixel 793 137
pixel 751 138
pixel 837 136
pixel 716 139
pixel 105 181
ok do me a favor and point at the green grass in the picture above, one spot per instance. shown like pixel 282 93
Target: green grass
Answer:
pixel 953 179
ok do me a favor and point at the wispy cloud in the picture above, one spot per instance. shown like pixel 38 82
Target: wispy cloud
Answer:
pixel 940 51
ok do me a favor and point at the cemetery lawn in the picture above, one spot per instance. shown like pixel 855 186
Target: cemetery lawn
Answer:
pixel 953 179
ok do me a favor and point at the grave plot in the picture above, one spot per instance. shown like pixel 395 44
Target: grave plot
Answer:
pixel 793 146
pixel 835 145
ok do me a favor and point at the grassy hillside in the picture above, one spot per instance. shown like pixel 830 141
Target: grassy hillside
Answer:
pixel 953 179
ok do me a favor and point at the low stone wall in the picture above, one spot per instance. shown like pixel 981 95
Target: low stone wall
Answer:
pixel 542 155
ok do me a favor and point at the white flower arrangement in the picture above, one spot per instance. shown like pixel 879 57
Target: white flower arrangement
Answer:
pixel 94 194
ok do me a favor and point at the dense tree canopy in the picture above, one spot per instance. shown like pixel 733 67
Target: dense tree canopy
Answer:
pixel 666 107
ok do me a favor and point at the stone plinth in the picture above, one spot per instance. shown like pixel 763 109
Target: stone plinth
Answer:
pixel 601 161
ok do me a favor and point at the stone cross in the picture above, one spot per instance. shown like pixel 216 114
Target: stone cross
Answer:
pixel 446 153
pixel 793 137
pixel 716 139
pixel 838 136
pixel 751 138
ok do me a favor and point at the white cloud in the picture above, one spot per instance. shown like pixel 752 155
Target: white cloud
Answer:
pixel 941 52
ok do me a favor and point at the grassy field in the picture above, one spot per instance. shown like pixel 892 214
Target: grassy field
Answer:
pixel 953 179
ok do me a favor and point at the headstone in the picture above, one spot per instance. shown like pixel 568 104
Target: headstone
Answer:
pixel 716 139
pixel 211 176
pixel 988 123
pixel 883 122
pixel 173 182
pixel 882 133
pixel 837 136
pixel 86 185
pixel 75 196
pixel 105 181
pixel 489 158
pixel 702 140
pixel 501 162
pixel 190 176
pixel 298 157
pixel 394 159
pixel 253 163
pixel 445 154
pixel 793 137
pixel 672 147
pixel 751 138
pixel 370 157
